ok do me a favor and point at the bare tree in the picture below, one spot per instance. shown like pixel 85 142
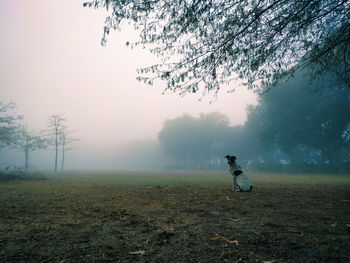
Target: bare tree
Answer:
pixel 56 126
pixel 65 142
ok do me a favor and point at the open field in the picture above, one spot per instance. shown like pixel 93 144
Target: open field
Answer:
pixel 175 217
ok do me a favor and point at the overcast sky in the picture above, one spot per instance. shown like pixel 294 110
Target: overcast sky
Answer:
pixel 51 61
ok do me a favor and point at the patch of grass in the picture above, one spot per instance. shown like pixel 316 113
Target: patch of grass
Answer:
pixel 211 178
pixel 279 178
pixel 174 217
pixel 69 182
pixel 64 181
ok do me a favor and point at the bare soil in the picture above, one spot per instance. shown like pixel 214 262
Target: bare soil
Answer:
pixel 82 221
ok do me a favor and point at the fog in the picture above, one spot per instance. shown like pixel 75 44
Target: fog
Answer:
pixel 96 166
pixel 52 62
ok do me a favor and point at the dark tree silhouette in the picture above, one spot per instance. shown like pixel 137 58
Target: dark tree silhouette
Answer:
pixel 8 124
pixel 205 43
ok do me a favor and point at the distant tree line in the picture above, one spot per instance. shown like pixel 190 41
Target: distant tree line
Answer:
pixel 192 141
pixel 14 134
pixel 291 129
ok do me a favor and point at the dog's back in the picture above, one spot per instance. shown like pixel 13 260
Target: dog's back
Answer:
pixel 244 182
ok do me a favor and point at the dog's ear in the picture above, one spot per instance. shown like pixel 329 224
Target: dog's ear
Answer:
pixel 233 158
pixel 227 157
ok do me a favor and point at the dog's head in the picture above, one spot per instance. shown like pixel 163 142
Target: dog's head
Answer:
pixel 230 159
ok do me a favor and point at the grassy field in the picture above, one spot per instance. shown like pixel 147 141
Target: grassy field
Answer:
pixel 192 177
pixel 155 216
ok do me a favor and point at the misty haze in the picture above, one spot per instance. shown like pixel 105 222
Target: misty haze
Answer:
pixel 174 131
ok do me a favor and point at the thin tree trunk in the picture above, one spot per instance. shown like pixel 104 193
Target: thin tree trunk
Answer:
pixel 26 151
pixel 62 165
pixel 56 148
pixel 63 145
pixel 26 161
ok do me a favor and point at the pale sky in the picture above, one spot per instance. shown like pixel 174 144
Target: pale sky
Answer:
pixel 51 61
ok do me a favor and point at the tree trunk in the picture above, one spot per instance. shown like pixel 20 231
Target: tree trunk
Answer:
pixel 26 151
pixel 56 148
pixel 26 160
pixel 63 145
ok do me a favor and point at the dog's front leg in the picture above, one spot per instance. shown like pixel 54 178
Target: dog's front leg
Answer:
pixel 235 187
pixel 234 184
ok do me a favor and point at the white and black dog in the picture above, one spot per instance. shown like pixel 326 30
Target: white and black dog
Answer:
pixel 241 182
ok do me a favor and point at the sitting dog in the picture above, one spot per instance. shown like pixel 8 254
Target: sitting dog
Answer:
pixel 241 182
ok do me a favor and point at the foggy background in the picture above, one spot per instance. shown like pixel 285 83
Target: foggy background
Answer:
pixel 52 62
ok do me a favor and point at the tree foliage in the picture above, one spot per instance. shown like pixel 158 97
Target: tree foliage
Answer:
pixel 308 126
pixel 28 142
pixel 195 140
pixel 205 43
pixel 290 124
pixel 8 124
pixel 208 138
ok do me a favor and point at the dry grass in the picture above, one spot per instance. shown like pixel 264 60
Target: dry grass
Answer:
pixel 174 217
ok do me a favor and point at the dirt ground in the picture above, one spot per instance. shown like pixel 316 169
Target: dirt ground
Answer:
pixel 87 222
